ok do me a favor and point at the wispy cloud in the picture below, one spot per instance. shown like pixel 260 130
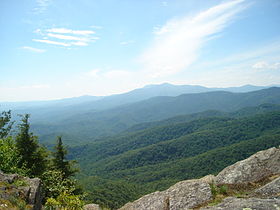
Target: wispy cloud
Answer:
pixel 32 49
pixel 66 37
pixel 127 42
pixel 41 6
pixel 70 31
pixel 176 45
pixel 93 73
pixel 262 65
pixel 51 42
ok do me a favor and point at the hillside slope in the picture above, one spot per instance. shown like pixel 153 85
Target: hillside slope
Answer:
pixel 91 125
pixel 155 158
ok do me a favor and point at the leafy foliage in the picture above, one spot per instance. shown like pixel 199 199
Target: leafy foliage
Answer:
pixel 26 157
pixel 32 155
pixel 9 158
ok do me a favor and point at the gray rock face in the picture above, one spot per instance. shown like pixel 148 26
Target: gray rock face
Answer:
pixel 153 201
pixel 270 190
pixel 9 178
pixel 91 207
pixel 183 195
pixel 195 193
pixel 31 191
pixel 246 204
pixel 35 193
pixel 258 166
pixel 188 194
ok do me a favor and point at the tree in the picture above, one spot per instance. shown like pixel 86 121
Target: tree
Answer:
pixel 59 161
pixel 5 124
pixel 32 156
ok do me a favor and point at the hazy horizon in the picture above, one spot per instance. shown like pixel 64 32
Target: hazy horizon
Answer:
pixel 149 85
pixel 61 49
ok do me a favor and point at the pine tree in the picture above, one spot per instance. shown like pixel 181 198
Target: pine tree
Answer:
pixel 59 161
pixel 5 124
pixel 32 156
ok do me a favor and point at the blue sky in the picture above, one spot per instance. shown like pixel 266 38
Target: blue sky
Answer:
pixel 53 49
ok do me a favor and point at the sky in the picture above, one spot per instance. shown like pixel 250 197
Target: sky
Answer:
pixel 52 49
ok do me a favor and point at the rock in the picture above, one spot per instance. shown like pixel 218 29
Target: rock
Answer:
pixel 153 201
pixel 35 193
pixel 183 195
pixel 258 166
pixel 188 194
pixel 208 179
pixel 246 204
pixel 30 191
pixel 91 207
pixel 270 190
pixel 9 178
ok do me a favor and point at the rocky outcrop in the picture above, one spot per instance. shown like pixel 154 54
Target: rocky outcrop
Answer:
pixel 91 207
pixel 17 190
pixel 198 193
pixel 246 204
pixel 270 190
pixel 185 194
pixel 258 166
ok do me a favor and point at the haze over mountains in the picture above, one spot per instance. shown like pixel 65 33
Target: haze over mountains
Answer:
pixel 86 118
pixel 145 140
pixel 146 92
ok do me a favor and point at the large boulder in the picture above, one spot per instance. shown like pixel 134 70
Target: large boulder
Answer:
pixel 256 167
pixel 183 195
pixel 246 204
pixel 24 189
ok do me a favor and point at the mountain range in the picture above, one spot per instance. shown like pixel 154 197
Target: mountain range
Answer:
pixel 87 118
pixel 131 144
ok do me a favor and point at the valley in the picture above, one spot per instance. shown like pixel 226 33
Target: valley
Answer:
pixel 126 151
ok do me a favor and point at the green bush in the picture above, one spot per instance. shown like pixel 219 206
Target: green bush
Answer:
pixel 9 157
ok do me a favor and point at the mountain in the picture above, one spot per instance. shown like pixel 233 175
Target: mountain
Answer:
pixel 89 125
pixel 155 158
pixel 106 102
pixel 56 103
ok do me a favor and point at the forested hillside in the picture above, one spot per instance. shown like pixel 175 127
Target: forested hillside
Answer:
pixel 90 125
pixel 154 158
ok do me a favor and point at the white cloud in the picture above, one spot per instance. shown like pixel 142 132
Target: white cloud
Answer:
pixel 127 42
pixel 79 43
pixel 52 42
pixel 177 43
pixel 93 73
pixel 66 37
pixel 70 31
pixel 32 49
pixel 42 6
pixel 265 65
